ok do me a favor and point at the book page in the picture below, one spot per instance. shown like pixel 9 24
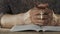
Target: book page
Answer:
pixel 26 27
pixel 51 28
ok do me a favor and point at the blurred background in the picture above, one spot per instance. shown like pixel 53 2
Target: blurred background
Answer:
pixel 21 6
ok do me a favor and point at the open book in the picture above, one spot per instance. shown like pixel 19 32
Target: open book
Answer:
pixel 35 28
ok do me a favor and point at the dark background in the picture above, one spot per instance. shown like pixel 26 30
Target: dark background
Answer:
pixel 21 6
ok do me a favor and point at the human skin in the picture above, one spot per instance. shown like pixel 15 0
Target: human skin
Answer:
pixel 41 16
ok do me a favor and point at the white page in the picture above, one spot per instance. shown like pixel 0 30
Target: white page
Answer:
pixel 35 27
pixel 26 27
pixel 51 28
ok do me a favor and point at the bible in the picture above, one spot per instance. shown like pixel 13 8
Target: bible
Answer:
pixel 34 28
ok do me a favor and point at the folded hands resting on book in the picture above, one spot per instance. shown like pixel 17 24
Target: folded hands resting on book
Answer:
pixel 39 15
